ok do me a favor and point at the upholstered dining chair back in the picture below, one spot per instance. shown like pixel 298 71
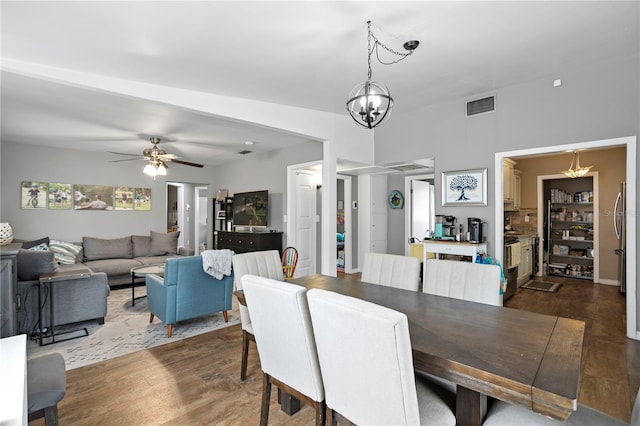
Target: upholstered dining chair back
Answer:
pixel 474 282
pixel 391 270
pixel 284 336
pixel 367 366
pixel 261 263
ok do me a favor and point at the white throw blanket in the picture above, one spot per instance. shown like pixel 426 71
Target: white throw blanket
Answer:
pixel 217 262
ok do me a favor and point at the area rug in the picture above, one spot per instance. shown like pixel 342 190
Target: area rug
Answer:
pixel 542 286
pixel 126 330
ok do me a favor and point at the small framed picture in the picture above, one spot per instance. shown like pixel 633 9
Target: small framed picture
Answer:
pixel 464 188
pixel 221 214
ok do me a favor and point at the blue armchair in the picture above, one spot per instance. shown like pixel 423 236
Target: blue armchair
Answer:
pixel 186 292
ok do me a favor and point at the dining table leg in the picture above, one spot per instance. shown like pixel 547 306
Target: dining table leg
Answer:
pixel 288 403
pixel 471 406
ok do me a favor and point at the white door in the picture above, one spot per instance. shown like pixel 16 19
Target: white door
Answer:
pixel 421 208
pixel 201 215
pixel 305 219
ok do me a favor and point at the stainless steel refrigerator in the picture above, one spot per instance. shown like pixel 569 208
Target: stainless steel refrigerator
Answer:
pixel 620 226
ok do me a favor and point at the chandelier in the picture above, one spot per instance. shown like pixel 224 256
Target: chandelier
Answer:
pixel 575 170
pixel 369 103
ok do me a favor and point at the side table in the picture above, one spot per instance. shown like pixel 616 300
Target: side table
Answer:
pixel 141 272
pixel 48 280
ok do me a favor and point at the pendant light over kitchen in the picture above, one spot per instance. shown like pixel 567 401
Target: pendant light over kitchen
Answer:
pixel 370 103
pixel 575 170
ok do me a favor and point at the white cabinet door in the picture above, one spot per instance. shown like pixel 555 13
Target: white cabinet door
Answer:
pixel 507 179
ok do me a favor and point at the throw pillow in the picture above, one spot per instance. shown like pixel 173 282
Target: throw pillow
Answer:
pixel 33 263
pixel 39 247
pixel 66 253
pixel 29 244
pixel 98 248
pixel 141 245
pixel 164 244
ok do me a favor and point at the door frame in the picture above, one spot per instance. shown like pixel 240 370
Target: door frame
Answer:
pixel 408 200
pixel 290 218
pixel 348 225
pixel 630 143
pixel 596 221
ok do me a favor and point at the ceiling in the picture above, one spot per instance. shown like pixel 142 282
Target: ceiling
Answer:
pixel 303 54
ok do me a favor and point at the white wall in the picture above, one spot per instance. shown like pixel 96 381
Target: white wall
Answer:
pixel 593 103
pixel 23 162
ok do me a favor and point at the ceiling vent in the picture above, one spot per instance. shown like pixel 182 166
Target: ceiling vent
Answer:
pixel 245 152
pixel 481 106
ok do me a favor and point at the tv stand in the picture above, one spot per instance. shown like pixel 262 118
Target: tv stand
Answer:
pixel 247 241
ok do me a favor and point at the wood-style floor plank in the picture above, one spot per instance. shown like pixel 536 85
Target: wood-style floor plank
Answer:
pixel 196 381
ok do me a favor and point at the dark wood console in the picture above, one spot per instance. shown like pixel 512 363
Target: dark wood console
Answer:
pixel 244 242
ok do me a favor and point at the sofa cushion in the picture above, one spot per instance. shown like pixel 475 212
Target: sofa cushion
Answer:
pixel 33 263
pixel 164 244
pixel 112 267
pixel 66 253
pixel 98 248
pixel 35 243
pixel 141 245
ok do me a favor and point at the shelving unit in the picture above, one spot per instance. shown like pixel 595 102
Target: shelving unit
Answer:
pixel 570 234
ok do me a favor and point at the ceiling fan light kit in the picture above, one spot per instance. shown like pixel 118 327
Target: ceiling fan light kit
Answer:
pixel 157 158
pixel 370 103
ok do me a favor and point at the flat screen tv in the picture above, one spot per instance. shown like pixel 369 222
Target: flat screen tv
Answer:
pixel 251 209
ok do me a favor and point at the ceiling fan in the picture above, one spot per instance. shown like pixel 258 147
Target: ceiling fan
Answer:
pixel 157 158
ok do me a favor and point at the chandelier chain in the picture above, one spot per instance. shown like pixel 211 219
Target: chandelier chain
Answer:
pixel 385 47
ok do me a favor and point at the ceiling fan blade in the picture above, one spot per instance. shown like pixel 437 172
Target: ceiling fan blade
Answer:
pixel 186 163
pixel 168 156
pixel 123 153
pixel 129 159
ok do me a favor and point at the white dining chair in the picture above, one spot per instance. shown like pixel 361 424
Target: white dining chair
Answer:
pixel 367 366
pixel 261 263
pixel 474 282
pixel 391 270
pixel 501 413
pixel 284 336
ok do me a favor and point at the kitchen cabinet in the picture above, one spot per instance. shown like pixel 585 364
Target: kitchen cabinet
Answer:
pixel 525 267
pixel 508 167
pixel 517 189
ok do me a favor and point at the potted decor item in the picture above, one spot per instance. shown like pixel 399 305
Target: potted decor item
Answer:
pixel 6 234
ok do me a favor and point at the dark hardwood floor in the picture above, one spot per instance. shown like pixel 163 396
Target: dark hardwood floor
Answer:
pixel 196 381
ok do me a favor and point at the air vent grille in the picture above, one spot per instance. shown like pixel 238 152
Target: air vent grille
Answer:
pixel 481 106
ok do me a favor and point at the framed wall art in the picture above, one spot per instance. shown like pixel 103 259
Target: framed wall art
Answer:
pixel 33 195
pixel 464 188
pixel 60 196
pixel 92 197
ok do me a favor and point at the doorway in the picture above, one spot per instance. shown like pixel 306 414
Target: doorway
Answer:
pixel 629 143
pixel 420 207
pixel 344 225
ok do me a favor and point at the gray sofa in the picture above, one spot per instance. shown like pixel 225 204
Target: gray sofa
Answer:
pixel 75 299
pixel 109 262
pixel 116 257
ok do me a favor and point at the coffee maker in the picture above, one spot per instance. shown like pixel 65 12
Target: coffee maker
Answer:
pixel 445 227
pixel 476 230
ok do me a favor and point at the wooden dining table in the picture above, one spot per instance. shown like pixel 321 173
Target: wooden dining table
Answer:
pixel 524 358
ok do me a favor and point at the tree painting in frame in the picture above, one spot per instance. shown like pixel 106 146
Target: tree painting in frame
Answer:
pixel 464 188
pixel 143 199
pixel 33 195
pixel 92 197
pixel 124 198
pixel 60 196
